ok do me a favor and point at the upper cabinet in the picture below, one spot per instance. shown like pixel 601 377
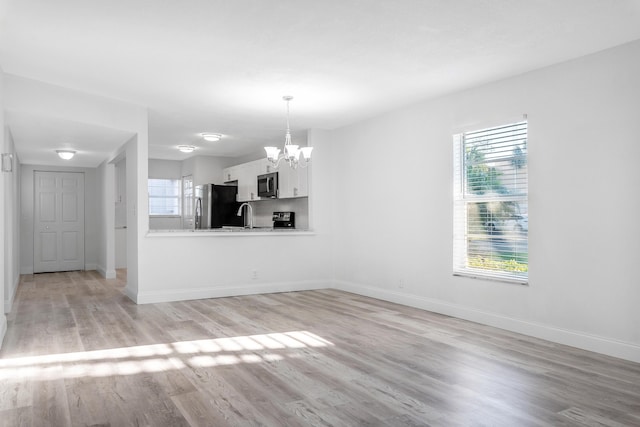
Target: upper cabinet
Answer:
pixel 244 176
pixel 291 182
pixel 231 173
pixel 265 167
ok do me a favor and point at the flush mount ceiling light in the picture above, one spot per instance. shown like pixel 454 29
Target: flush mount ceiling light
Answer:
pixel 291 153
pixel 186 148
pixel 211 137
pixel 66 154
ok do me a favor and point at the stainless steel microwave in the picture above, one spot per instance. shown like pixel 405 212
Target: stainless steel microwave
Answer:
pixel 268 185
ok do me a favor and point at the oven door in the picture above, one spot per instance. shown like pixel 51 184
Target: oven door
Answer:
pixel 268 185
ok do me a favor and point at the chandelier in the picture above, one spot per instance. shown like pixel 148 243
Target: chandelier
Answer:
pixel 291 153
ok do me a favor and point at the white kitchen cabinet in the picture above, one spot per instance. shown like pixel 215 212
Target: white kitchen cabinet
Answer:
pixel 244 176
pixel 265 166
pixel 231 173
pixel 244 185
pixel 292 182
pixel 249 178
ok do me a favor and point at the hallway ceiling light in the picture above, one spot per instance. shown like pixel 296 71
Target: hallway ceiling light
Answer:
pixel 291 153
pixel 211 137
pixel 66 154
pixel 186 148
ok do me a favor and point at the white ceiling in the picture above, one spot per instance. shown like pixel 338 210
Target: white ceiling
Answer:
pixel 222 66
pixel 43 135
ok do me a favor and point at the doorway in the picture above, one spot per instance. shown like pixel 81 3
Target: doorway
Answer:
pixel 58 221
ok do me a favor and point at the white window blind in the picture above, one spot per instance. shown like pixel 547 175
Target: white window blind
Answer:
pixel 164 197
pixel 491 221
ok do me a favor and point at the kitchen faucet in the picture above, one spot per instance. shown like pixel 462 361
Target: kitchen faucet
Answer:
pixel 249 213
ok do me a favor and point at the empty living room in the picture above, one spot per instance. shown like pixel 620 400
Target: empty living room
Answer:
pixel 337 213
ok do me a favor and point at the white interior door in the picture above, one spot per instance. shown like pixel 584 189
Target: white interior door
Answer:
pixel 58 221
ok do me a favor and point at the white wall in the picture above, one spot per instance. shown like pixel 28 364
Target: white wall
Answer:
pixel 136 152
pixel 135 229
pixel 165 169
pixel 206 169
pixel 105 195
pixel 92 222
pixel 393 215
pixel 121 248
pixel 9 220
pixel 120 175
pixel 3 197
pixel 121 193
pixel 12 224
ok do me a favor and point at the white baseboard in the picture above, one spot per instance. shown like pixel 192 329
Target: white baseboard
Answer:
pixel 87 267
pixel 620 349
pixel 225 291
pixel 8 303
pixel 3 328
pixel 107 274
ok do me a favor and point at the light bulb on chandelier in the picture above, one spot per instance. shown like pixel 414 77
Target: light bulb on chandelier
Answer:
pixel 291 153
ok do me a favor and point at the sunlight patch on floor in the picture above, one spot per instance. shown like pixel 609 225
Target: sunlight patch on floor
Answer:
pixel 159 357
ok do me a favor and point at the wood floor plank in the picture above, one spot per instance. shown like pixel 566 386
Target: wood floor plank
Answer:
pixel 95 401
pixel 78 352
pixel 19 417
pixel 50 405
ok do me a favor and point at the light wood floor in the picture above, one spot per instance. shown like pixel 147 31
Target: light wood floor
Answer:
pixel 78 352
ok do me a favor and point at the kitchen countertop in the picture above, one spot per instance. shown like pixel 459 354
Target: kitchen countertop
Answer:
pixel 231 232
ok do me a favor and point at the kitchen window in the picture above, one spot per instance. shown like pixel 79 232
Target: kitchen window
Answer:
pixel 491 220
pixel 164 197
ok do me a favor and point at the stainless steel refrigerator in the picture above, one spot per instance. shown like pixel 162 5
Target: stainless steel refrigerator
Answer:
pixel 216 206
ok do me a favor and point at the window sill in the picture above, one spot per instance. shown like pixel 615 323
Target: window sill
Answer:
pixel 475 274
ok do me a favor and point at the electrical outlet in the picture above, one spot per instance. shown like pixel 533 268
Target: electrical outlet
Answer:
pixel 254 274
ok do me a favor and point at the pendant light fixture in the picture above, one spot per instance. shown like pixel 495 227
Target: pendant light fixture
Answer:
pixel 291 153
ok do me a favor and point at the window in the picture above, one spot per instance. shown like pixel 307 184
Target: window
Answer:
pixel 491 222
pixel 164 197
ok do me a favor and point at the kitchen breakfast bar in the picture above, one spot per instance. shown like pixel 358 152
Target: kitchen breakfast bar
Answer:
pixel 176 265
pixel 230 232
